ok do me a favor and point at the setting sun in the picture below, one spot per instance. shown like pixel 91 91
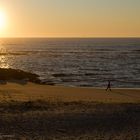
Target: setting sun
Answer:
pixel 2 20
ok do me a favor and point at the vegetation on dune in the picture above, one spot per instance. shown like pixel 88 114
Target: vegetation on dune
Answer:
pixel 70 120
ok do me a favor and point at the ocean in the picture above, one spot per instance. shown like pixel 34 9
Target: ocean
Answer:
pixel 86 62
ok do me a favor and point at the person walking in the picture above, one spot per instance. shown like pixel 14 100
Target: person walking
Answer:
pixel 108 86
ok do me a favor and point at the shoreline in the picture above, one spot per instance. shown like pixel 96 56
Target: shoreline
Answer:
pixel 26 82
pixel 23 77
pixel 21 92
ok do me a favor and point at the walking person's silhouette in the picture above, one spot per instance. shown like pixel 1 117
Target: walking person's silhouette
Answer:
pixel 108 86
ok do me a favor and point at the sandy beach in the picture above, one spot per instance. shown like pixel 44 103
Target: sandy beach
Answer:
pixel 34 111
pixel 31 91
pixel 69 70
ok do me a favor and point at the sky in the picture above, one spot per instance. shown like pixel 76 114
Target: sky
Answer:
pixel 70 18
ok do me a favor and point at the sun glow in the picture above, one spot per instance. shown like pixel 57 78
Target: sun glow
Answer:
pixel 2 20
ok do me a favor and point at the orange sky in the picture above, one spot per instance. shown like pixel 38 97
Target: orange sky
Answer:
pixel 70 18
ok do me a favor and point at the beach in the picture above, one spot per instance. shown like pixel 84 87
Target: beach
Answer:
pixel 69 70
pixel 31 91
pixel 35 111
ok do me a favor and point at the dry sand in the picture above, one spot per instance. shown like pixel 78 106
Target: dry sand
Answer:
pixel 30 91
pixel 42 112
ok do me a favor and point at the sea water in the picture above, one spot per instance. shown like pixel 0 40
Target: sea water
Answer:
pixel 75 61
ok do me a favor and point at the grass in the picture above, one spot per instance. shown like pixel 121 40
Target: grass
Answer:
pixel 69 120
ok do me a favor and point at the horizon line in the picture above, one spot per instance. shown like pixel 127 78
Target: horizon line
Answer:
pixel 72 37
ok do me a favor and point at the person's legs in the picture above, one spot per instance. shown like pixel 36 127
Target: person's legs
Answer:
pixel 107 88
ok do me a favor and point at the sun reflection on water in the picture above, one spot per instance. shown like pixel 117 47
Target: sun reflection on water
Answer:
pixel 3 58
pixel 3 62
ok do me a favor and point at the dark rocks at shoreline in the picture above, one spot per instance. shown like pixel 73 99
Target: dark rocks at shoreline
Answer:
pixel 17 75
